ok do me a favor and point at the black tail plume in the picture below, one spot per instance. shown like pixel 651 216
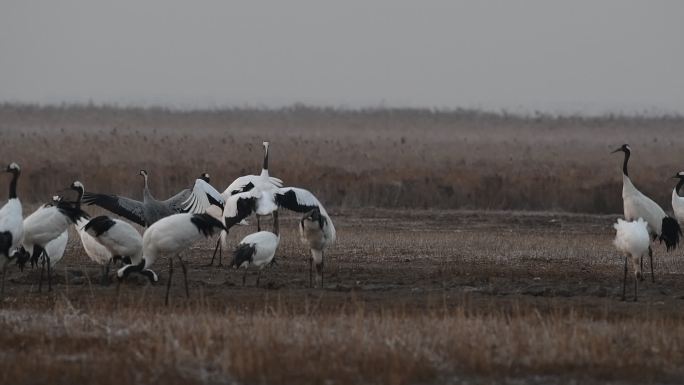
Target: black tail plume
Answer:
pixel 243 252
pixel 207 224
pixel 74 213
pixel 670 233
pixel 99 224
pixel 5 243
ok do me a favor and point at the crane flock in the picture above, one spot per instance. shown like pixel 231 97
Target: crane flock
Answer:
pixel 173 225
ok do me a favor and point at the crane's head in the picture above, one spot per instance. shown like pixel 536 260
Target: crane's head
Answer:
pixel 143 173
pixel 314 215
pixel 266 144
pixel 22 256
pixel 624 148
pixel 13 168
pixel 205 177
pixel 77 186
pixel 55 200
pixel 679 175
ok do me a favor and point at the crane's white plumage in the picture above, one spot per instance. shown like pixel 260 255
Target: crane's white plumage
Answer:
pixel 11 223
pixel 260 187
pixel 96 251
pixel 174 234
pixel 11 228
pixel 265 244
pixel 117 236
pixel 632 237
pixel 203 196
pixel 56 247
pixel 247 183
pixel 637 205
pixel 257 249
pixel 677 201
pixel 632 240
pixel 11 218
pixel 263 185
pixel 49 222
pixel 170 236
pixel 302 201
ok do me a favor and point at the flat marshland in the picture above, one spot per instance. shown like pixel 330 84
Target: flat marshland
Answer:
pixel 438 275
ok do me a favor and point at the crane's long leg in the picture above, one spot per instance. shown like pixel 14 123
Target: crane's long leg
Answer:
pixel 49 272
pixel 218 244
pixel 168 284
pixel 185 276
pixel 42 270
pixel 320 267
pixel 258 278
pixel 4 272
pixel 105 273
pixel 624 280
pixel 650 256
pixel 311 271
pixel 636 283
pixel 244 277
pixel 258 223
pixel 220 253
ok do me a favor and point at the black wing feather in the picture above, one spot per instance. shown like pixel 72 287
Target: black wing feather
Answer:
pixel 288 200
pixel 206 224
pixel 74 213
pixel 99 224
pixel 125 207
pixel 245 208
pixel 243 252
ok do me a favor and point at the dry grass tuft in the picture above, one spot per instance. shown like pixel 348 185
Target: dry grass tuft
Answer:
pixel 199 344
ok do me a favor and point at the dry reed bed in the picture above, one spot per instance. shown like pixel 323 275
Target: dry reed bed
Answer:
pixel 195 344
pixel 383 157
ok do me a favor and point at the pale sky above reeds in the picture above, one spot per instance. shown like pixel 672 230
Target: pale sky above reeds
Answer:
pixel 589 56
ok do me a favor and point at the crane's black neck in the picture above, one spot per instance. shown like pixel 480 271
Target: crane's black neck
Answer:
pixel 624 164
pixel 265 167
pixel 13 185
pixel 78 199
pixel 679 185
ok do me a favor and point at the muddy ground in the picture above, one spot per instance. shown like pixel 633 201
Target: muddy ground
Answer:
pixel 388 258
pixel 398 260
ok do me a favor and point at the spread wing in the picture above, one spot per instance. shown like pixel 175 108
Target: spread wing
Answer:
pixel 202 196
pixel 122 206
pixel 297 200
pixel 301 201
pixel 196 201
pixel 239 206
pixel 177 202
pixel 246 183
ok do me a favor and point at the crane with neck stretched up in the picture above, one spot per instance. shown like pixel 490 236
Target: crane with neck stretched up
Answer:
pixel 677 200
pixel 637 205
pixel 11 223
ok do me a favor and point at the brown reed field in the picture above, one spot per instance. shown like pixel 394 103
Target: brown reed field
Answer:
pixel 376 157
pixel 472 248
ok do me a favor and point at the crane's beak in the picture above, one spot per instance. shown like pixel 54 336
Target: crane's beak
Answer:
pixel 618 150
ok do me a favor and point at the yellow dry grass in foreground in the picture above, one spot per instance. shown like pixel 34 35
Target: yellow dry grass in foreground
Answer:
pixel 195 344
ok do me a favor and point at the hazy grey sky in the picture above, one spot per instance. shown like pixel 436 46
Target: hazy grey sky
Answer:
pixel 556 56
